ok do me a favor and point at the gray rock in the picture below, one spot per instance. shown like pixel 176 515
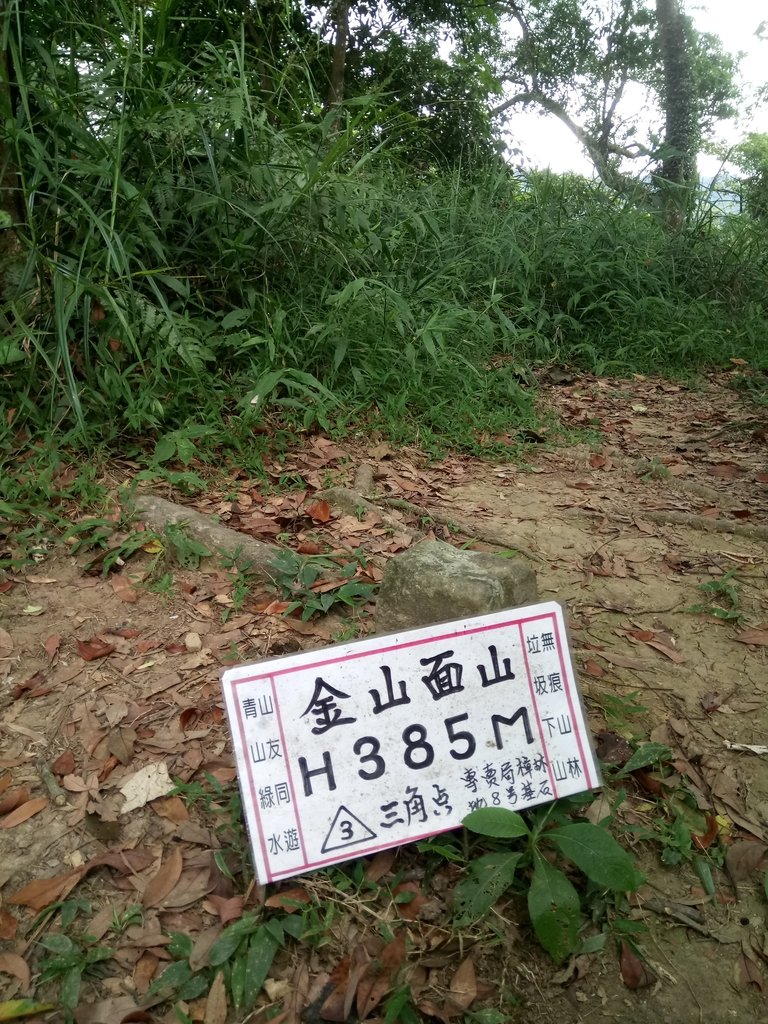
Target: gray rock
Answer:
pixel 435 582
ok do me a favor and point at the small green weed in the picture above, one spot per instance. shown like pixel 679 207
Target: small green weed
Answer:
pixel 724 599
pixel 243 580
pixel 124 919
pixel 297 580
pixel 221 804
pixel 186 551
pixel 621 712
pixel 163 586
pixel 653 469
pixel 111 547
pixel 549 838
pixel 243 954
pixel 67 962
pixel 677 823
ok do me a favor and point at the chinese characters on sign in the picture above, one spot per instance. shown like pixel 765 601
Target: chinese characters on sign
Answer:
pixel 363 746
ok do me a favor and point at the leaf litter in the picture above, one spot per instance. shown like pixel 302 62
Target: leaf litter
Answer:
pixel 125 708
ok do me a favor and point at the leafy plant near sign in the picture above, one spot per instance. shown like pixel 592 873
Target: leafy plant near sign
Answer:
pixel 296 578
pixel 67 962
pixel 242 955
pixel 621 711
pixel 221 803
pixel 684 832
pixel 549 839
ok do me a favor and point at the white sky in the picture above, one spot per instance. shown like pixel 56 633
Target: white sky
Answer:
pixel 547 142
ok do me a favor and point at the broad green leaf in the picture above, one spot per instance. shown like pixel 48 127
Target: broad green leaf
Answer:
pixel 58 943
pixel 554 909
pixel 235 318
pixel 497 822
pixel 197 986
pixel 593 943
pixel 165 449
pixel 180 946
pixel 237 978
pixel 172 979
pixel 294 926
pixel 15 1009
pixel 230 939
pixel 704 871
pixel 261 952
pixel 648 753
pixel 185 449
pixel 69 992
pixel 485 882
pixel 598 855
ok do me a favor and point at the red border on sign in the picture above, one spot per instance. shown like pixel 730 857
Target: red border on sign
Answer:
pixel 371 652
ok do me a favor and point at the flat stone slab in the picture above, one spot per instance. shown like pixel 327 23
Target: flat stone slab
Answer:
pixel 435 582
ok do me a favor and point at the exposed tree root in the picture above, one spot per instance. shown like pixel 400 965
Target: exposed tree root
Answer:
pixel 706 524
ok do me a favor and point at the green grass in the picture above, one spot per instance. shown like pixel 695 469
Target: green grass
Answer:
pixel 191 268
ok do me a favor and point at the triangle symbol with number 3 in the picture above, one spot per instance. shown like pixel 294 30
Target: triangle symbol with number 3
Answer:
pixel 346 830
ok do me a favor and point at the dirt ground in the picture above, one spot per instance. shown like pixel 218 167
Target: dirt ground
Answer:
pixel 100 678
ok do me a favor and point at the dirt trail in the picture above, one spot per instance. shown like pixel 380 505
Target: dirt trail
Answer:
pixel 618 533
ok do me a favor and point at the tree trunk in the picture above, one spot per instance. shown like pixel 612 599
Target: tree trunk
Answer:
pixel 678 168
pixel 341 23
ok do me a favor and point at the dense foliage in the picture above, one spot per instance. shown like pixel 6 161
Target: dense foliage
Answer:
pixel 194 235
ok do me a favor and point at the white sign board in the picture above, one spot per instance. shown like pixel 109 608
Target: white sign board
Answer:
pixel 349 750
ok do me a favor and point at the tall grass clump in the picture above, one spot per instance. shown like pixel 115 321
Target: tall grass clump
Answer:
pixel 190 253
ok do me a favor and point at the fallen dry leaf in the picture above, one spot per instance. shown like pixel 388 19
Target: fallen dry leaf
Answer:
pixel 171 807
pixel 320 511
pixel 410 909
pixel 24 812
pixel 90 650
pixel 52 645
pixel 144 971
pixel 216 1003
pixel 725 470
pixel 634 973
pixel 117 1010
pixel 64 764
pixel 43 891
pixel 124 589
pixel 198 958
pixel 380 865
pixel 744 858
pixel 14 798
pixel 35 686
pixel 162 884
pixel 231 908
pixel 757 637
pixel 289 900
pixel 591 668
pixel 12 963
pixel 8 925
pixel 464 984
pixel 341 984
pixel 672 654
pixel 372 989
pixel 6 643
pixel 149 783
pixel 746 973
